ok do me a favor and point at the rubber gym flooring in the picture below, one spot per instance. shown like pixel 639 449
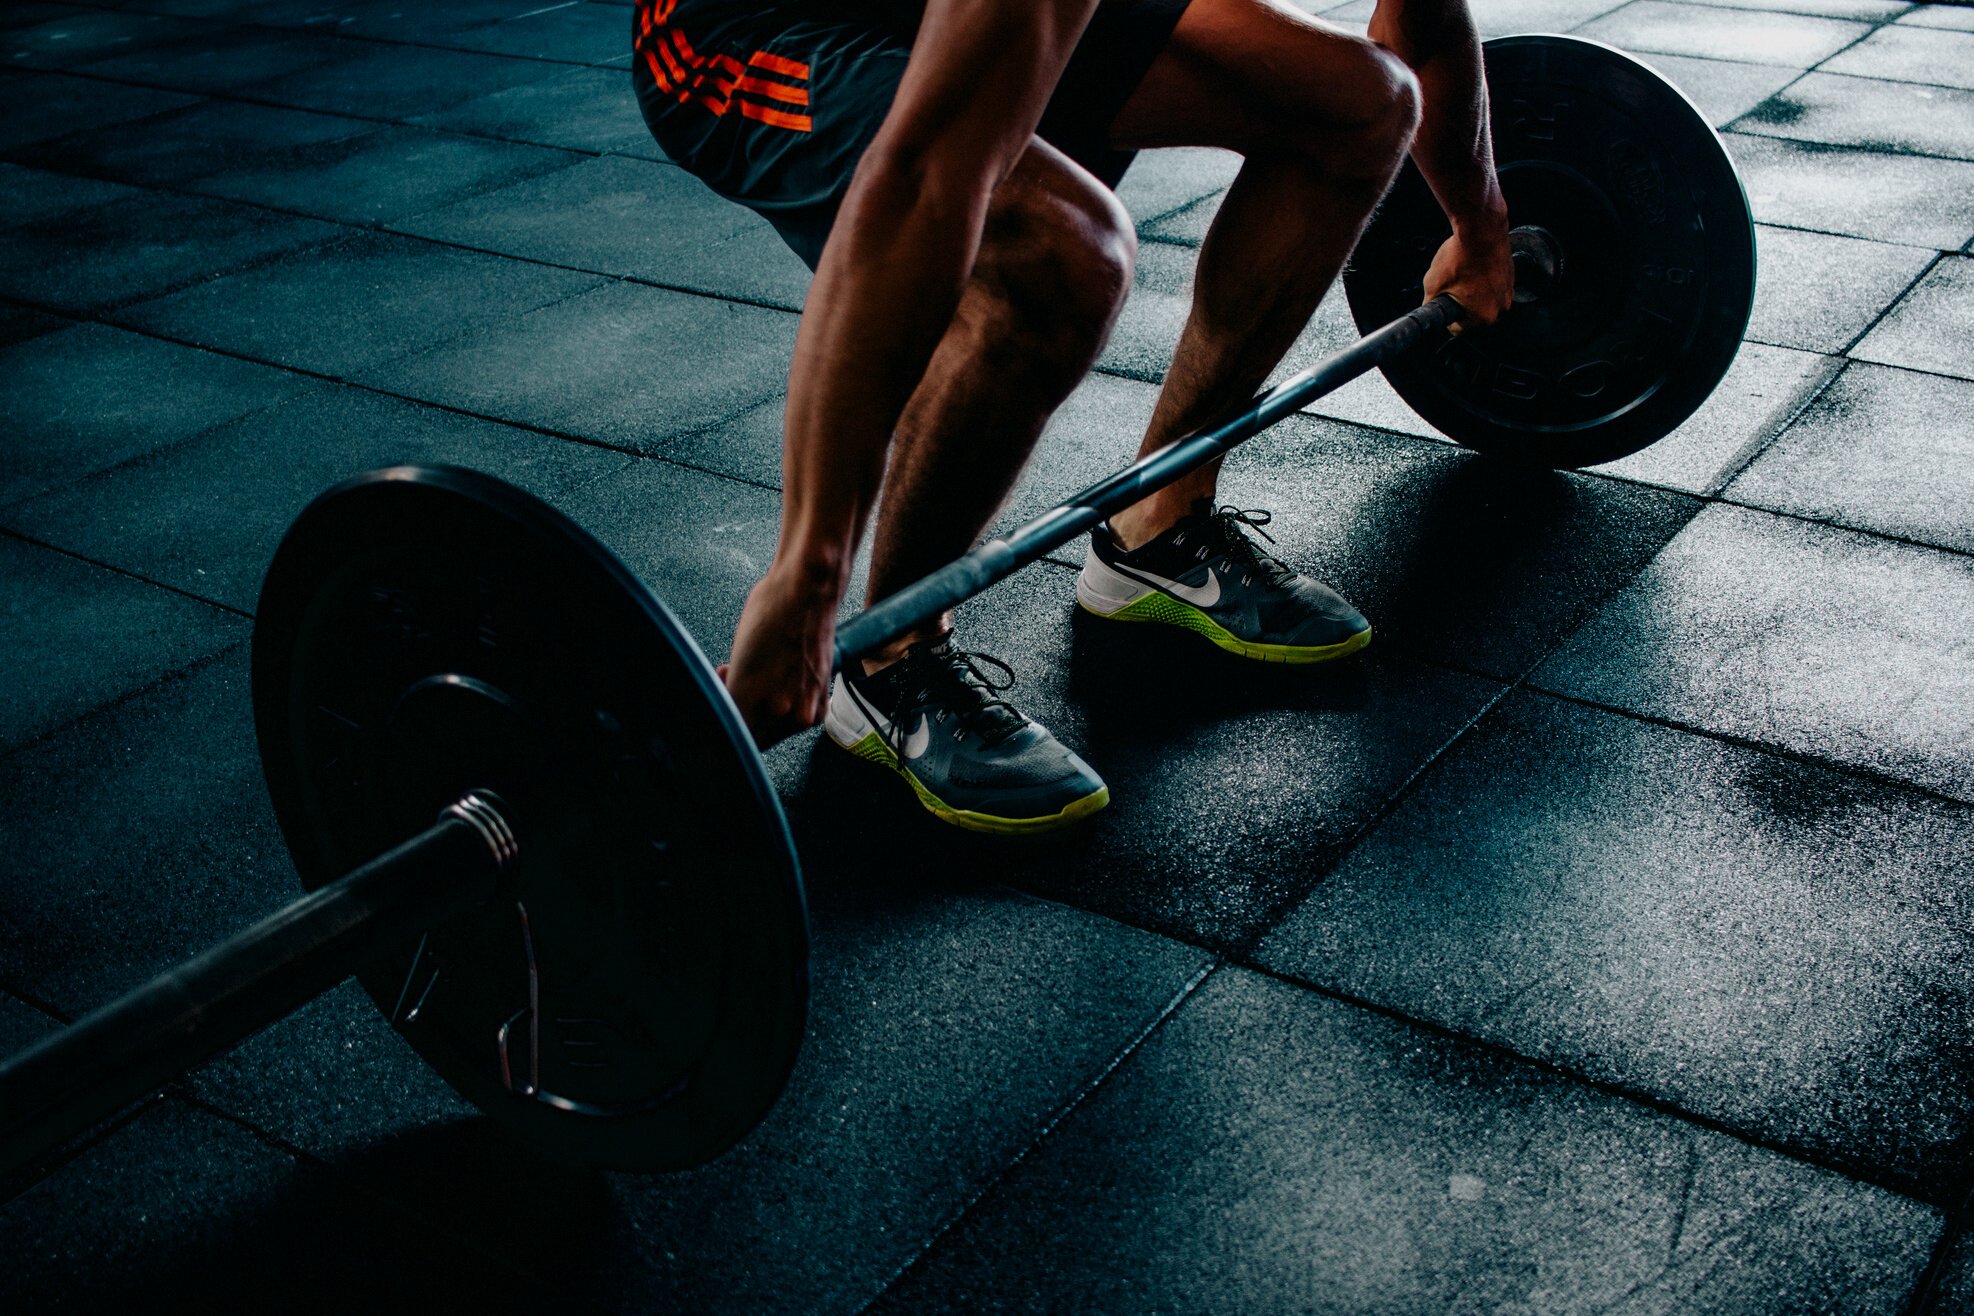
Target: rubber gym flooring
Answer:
pixel 1596 941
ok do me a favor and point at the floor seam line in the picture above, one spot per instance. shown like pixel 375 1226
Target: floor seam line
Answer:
pixel 1891 306
pixel 1076 1102
pixel 377 391
pixel 66 725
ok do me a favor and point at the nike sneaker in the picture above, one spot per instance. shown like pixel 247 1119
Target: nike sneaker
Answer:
pixel 937 718
pixel 1207 575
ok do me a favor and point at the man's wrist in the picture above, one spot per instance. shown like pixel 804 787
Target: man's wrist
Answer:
pixel 815 569
pixel 1485 222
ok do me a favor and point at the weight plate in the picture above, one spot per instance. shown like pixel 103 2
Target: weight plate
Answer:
pixel 637 1000
pixel 1657 271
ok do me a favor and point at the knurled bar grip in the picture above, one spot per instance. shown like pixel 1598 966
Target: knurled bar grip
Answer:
pixel 135 1044
pixel 999 558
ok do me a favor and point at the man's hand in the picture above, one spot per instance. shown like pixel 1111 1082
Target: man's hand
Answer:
pixel 1479 274
pixel 783 652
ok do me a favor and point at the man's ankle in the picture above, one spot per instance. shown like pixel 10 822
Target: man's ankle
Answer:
pixel 895 651
pixel 1138 525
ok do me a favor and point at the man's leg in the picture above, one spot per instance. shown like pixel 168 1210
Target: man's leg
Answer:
pixel 1323 119
pixel 1053 271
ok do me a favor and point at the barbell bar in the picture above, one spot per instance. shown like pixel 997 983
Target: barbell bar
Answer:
pixel 602 941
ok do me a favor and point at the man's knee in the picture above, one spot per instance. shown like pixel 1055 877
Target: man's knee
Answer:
pixel 1058 259
pixel 1395 103
pixel 1370 134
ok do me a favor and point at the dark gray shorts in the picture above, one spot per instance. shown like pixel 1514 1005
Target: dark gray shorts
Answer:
pixel 772 104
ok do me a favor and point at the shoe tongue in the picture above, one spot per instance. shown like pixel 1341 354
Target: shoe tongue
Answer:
pixel 990 719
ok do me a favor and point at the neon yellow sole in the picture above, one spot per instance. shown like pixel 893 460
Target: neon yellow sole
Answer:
pixel 1166 610
pixel 873 749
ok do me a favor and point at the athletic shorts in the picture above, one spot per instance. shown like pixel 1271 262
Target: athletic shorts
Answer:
pixel 773 102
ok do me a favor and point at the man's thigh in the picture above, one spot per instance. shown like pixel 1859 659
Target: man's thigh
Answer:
pixel 1246 75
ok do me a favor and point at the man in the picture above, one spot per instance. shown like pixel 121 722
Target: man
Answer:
pixel 945 168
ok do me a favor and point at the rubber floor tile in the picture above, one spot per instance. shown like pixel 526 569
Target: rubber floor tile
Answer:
pixel 1453 557
pixel 1761 391
pixel 1932 328
pixel 613 215
pixel 624 365
pixel 18 324
pixel 1884 450
pixel 205 516
pixel 1911 54
pixel 183 1203
pixel 158 795
pixel 1095 431
pixel 1867 194
pixel 1270 1150
pixel 1722 89
pixel 74 636
pixel 582 33
pixel 1950 16
pixel 205 138
pixel 1160 182
pixel 1778 948
pixel 35 195
pixel 39 108
pixel 1864 11
pixel 1789 40
pixel 579 109
pixel 1819 292
pixel 90 397
pixel 90 34
pixel 1894 117
pixel 1827 642
pixel 946 1029
pixel 382 175
pixel 21 1025
pixel 140 247
pixel 387 21
pixel 355 304
pixel 1233 785
pixel 383 81
pixel 224 61
pixel 1512 16
pixel 754 265
pixel 1955 1291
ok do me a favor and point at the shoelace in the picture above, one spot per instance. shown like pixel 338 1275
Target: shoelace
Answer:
pixel 1227 523
pixel 970 693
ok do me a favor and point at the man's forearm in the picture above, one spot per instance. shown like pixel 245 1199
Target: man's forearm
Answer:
pixel 1452 149
pixel 884 293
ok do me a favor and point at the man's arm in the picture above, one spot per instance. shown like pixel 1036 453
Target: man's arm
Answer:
pixel 1437 38
pixel 980 74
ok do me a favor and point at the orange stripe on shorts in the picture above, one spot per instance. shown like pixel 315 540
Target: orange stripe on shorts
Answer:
pixel 789 68
pixel 774 91
pixel 801 123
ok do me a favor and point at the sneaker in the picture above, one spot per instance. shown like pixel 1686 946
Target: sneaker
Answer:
pixel 936 717
pixel 1206 575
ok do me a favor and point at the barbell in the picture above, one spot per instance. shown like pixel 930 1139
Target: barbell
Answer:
pixel 595 930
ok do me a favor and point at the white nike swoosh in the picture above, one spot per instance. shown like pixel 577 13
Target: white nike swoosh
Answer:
pixel 1200 596
pixel 914 745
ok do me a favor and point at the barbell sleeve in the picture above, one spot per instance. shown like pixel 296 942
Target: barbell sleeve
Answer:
pixel 1001 557
pixel 137 1043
